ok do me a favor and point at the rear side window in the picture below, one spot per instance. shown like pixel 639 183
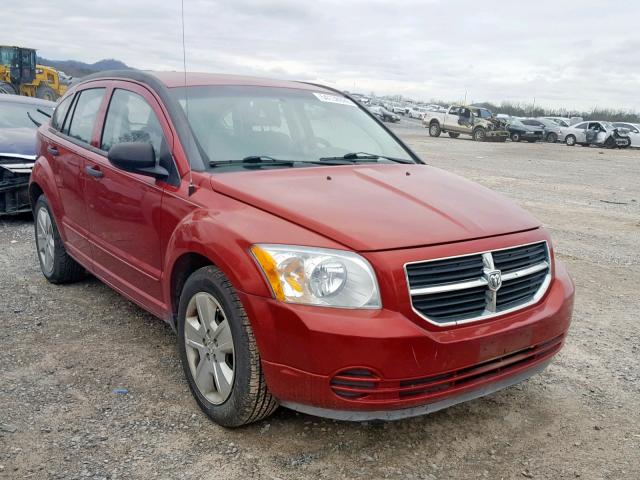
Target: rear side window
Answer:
pixel 85 113
pixel 131 119
pixel 60 112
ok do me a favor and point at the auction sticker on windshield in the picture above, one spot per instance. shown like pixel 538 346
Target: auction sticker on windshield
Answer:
pixel 325 97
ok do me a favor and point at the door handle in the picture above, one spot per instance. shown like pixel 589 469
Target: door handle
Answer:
pixel 53 151
pixel 94 172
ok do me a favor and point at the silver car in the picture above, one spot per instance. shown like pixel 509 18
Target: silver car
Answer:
pixel 551 130
pixel 598 133
pixel 633 130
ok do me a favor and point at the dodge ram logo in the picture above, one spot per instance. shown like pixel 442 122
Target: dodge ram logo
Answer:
pixel 494 280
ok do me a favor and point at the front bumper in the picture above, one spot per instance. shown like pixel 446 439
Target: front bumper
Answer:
pixel 401 367
pixel 496 135
pixel 14 188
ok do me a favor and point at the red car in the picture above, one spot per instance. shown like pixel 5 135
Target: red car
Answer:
pixel 304 255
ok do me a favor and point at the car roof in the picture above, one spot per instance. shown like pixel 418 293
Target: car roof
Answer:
pixel 8 98
pixel 177 79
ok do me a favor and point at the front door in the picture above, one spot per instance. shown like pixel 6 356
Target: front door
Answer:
pixel 125 209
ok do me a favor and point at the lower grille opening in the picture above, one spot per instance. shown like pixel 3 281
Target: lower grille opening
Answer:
pixel 354 383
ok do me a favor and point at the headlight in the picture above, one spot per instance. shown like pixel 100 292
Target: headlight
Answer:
pixel 318 276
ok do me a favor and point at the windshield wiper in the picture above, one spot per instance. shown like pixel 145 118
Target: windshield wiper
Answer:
pixel 257 160
pixel 356 156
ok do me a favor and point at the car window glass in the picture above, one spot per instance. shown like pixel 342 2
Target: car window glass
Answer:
pixel 130 118
pixel 85 113
pixel 581 126
pixel 60 112
pixel 453 111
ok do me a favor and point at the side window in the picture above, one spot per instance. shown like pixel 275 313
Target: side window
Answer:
pixel 131 119
pixel 85 113
pixel 581 126
pixel 60 112
pixel 454 111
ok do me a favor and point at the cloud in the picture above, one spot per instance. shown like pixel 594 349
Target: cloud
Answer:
pixel 568 54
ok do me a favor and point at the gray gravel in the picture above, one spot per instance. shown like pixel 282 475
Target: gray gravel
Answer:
pixel 66 350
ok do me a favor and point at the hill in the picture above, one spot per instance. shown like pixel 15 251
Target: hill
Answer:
pixel 75 68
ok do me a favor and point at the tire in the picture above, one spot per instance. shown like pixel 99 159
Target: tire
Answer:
pixel 570 140
pixel 45 92
pixel 56 264
pixel 479 134
pixel 454 134
pixel 435 130
pixel 552 137
pixel 515 137
pixel 231 389
pixel 8 88
pixel 628 144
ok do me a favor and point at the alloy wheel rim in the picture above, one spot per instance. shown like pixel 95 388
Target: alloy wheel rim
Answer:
pixel 209 347
pixel 45 240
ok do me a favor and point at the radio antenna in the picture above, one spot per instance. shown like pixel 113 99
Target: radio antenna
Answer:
pixel 192 187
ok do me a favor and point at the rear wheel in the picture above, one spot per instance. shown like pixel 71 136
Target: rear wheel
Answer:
pixel 479 134
pixel 570 140
pixel 7 88
pixel 45 92
pixel 435 130
pixel 56 264
pixel 454 134
pixel 552 137
pixel 218 351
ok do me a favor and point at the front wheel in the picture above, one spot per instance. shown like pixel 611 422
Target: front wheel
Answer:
pixel 515 137
pixel 570 140
pixel 552 137
pixel 479 134
pixel 454 134
pixel 45 92
pixel 434 130
pixel 56 264
pixel 219 353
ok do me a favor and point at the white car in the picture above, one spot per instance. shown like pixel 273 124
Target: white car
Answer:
pixel 594 133
pixel 633 130
pixel 417 112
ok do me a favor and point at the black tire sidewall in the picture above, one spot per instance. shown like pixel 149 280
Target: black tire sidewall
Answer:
pixel 515 137
pixel 552 138
pixel 207 280
pixel 479 135
pixel 572 142
pixel 434 130
pixel 56 274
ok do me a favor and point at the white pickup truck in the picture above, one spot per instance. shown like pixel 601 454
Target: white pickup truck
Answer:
pixel 468 120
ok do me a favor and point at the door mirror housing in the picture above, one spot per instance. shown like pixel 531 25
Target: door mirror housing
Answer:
pixel 137 157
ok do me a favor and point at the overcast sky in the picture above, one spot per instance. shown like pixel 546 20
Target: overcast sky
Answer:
pixel 574 54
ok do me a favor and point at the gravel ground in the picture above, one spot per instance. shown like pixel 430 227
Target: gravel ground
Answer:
pixel 66 350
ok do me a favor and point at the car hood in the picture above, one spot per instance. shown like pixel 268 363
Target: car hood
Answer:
pixel 17 141
pixel 378 207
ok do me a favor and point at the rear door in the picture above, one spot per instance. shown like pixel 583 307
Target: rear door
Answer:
pixel 580 132
pixel 125 209
pixel 451 119
pixel 73 127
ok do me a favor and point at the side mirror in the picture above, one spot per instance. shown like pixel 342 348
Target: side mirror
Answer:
pixel 137 157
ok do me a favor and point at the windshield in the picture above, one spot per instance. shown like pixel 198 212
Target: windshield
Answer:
pixel 235 122
pixel 516 122
pixel 14 115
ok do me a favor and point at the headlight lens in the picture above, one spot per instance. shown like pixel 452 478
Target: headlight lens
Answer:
pixel 318 276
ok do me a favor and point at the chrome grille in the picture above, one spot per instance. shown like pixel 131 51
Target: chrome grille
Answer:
pixel 467 288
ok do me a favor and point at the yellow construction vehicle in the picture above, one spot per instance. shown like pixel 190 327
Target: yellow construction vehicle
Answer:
pixel 20 75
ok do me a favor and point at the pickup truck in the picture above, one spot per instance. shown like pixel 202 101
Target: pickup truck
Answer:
pixel 459 119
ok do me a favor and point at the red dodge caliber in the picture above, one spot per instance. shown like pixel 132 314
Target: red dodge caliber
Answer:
pixel 305 255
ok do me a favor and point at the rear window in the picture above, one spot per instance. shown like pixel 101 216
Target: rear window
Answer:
pixel 85 113
pixel 60 112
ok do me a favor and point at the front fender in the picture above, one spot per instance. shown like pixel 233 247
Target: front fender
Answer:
pixel 224 235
